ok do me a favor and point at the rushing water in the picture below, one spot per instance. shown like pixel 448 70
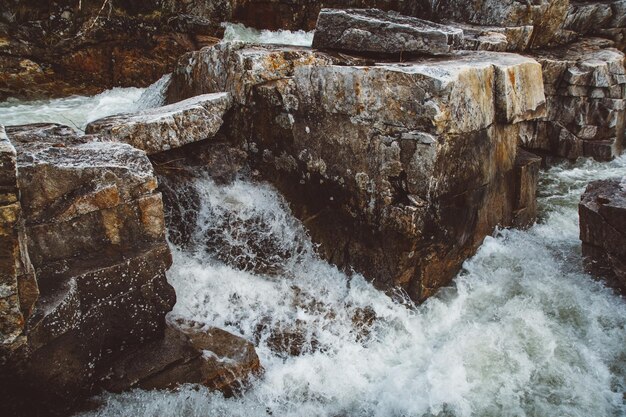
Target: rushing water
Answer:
pixel 239 32
pixel 78 111
pixel 523 332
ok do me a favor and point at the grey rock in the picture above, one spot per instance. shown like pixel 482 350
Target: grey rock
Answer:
pixel 168 127
pixel 602 212
pixel 585 87
pixel 375 31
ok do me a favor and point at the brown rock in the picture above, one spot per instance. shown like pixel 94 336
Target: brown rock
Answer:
pixel 89 220
pixel 400 168
pixel 602 212
pixel 211 357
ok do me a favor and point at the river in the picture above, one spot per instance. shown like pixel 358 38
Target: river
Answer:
pixel 524 331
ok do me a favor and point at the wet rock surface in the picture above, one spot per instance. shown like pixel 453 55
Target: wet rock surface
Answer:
pixel 168 127
pixel 91 261
pixel 364 151
pixel 398 166
pixel 378 32
pixel 188 353
pixel 602 213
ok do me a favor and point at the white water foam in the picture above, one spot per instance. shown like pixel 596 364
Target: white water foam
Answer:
pixel 78 111
pixel 524 332
pixel 239 32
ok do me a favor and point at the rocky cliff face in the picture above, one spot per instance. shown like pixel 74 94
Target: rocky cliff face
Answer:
pixel 398 164
pixel 85 214
pixel 585 86
pixel 83 268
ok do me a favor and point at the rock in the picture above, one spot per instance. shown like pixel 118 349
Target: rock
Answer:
pixel 187 354
pixel 546 16
pixel 494 38
pixel 168 127
pixel 378 32
pixel 204 71
pixel 382 161
pixel 302 14
pixel 585 85
pixel 45 52
pixel 602 213
pixel 598 18
pixel 15 300
pixel 90 222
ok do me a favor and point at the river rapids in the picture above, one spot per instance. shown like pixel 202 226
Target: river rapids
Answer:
pixel 524 331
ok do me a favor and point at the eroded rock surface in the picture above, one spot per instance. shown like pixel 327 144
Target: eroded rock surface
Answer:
pixel 545 16
pixel 374 31
pixel 400 169
pixel 189 353
pixel 92 227
pixel 603 230
pixel 168 127
pixel 585 85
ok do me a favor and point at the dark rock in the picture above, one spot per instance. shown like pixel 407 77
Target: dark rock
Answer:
pixel 187 354
pixel 602 213
pixel 378 32
pixel 90 222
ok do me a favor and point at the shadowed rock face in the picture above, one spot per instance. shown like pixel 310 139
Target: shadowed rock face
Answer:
pixel 603 230
pixel 398 169
pixel 606 18
pixel 187 353
pixel 374 31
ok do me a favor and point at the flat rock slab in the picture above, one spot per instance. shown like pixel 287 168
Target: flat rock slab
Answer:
pixel 168 127
pixel 602 213
pixel 378 32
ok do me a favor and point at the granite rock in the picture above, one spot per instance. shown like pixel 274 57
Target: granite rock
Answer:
pixel 384 33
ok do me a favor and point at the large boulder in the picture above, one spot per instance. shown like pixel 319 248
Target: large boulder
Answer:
pixel 398 169
pixel 378 32
pixel 82 268
pixel 603 230
pixel 585 85
pixel 89 258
